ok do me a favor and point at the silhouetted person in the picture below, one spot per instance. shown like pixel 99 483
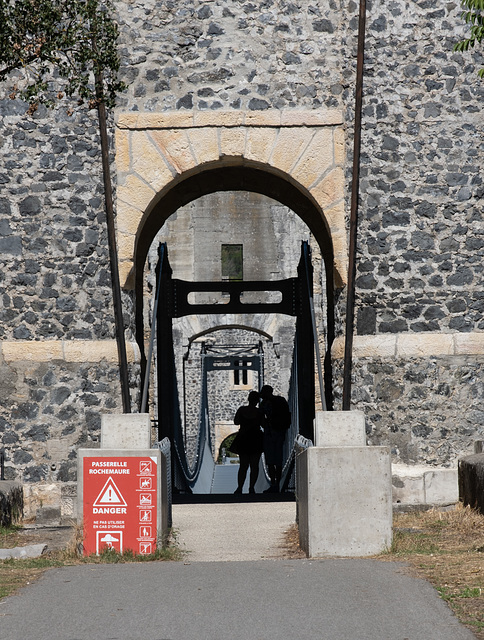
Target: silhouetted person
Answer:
pixel 277 420
pixel 249 441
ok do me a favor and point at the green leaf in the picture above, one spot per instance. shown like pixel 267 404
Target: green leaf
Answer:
pixel 475 17
pixel 75 38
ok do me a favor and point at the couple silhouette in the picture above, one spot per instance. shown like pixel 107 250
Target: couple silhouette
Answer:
pixel 263 424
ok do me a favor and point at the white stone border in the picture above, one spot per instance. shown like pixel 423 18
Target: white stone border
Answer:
pixel 403 345
pixel 191 119
pixel 65 350
pixel 412 345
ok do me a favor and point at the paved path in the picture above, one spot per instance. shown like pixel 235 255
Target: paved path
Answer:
pixel 216 599
pixel 229 531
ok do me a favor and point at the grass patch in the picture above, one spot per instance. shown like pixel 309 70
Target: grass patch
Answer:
pixel 447 549
pixel 17 573
pixel 9 536
pixel 408 542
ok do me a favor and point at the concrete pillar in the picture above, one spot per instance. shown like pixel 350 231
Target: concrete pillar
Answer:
pixel 344 493
pixel 125 431
pixel 340 429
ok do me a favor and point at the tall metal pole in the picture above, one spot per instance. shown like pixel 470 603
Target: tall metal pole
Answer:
pixel 350 300
pixel 113 254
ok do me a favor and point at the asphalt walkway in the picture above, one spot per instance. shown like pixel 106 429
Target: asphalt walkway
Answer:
pixel 235 583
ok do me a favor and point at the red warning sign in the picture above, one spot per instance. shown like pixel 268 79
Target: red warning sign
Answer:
pixel 119 504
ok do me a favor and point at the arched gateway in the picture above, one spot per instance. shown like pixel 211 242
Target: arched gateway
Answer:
pixel 167 160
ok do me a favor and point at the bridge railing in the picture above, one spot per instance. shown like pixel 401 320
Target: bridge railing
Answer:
pixel 165 447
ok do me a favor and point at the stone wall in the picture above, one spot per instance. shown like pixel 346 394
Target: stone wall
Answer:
pixel 420 243
pixel 421 395
pixel 421 237
pixel 211 55
pixel 419 267
pixel 53 394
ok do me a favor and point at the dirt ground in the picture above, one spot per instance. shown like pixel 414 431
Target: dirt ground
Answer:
pixel 447 549
pixel 56 538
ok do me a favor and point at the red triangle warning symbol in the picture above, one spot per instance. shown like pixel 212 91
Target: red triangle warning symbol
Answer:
pixel 110 495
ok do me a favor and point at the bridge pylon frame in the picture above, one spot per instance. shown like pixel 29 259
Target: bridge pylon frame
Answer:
pixel 173 303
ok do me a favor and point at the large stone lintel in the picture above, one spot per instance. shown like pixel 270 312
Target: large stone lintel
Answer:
pixel 268 118
pixel 65 350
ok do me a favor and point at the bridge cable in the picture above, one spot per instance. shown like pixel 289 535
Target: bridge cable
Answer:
pixel 144 397
pixel 313 320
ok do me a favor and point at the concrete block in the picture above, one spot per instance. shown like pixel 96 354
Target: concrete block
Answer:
pixel 408 484
pixel 344 501
pixel 441 486
pixel 340 429
pixel 424 485
pixel 125 431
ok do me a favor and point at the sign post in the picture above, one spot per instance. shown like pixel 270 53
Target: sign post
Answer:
pixel 120 498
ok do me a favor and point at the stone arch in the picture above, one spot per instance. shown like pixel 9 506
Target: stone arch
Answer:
pixel 165 161
pixel 222 428
pixel 216 328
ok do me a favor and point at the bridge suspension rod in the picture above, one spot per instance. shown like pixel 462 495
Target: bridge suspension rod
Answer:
pixel 306 250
